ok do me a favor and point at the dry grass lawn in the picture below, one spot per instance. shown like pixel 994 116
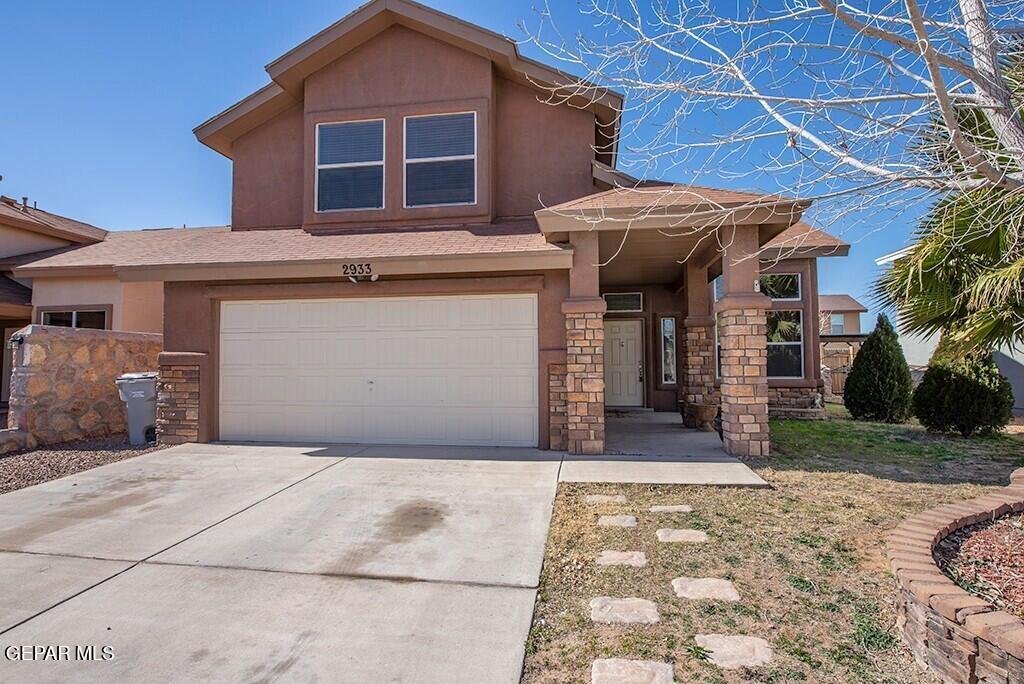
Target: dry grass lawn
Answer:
pixel 806 557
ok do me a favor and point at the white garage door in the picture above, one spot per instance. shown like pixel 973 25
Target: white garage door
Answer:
pixel 396 370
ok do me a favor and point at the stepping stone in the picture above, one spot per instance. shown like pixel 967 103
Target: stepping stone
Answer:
pixel 691 536
pixel 623 611
pixel 622 671
pixel 672 509
pixel 733 652
pixel 636 559
pixel 593 499
pixel 616 521
pixel 705 588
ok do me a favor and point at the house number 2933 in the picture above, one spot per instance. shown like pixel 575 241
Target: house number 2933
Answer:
pixel 356 269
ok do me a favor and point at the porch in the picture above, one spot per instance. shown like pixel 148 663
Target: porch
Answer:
pixel 664 246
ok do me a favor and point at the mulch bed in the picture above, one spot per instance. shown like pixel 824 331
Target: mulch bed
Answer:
pixel 988 560
pixel 28 468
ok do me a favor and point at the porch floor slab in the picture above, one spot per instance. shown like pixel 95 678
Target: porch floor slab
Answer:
pixel 655 448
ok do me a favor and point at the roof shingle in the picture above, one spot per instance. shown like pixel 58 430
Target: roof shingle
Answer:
pixel 12 292
pixel 839 302
pixel 11 210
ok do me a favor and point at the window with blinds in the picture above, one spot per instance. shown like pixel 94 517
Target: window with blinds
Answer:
pixel 350 165
pixel 440 159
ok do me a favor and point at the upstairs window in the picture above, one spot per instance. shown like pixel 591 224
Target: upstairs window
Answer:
pixel 350 165
pixel 838 324
pixel 440 160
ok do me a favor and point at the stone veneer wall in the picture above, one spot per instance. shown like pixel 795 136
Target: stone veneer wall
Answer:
pixel 584 378
pixel 795 402
pixel 557 420
pixel 699 365
pixel 178 396
pixel 62 383
pixel 961 638
pixel 744 385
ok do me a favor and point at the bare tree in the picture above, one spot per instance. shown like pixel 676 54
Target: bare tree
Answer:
pixel 853 101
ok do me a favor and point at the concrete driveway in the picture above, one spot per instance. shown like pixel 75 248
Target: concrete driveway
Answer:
pixel 278 563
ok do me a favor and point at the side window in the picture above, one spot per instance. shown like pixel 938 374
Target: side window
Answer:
pixel 350 165
pixel 96 320
pixel 838 324
pixel 668 351
pixel 781 286
pixel 440 160
pixel 785 344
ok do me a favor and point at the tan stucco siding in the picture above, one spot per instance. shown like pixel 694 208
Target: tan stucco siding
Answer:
pixel 136 307
pixel 15 241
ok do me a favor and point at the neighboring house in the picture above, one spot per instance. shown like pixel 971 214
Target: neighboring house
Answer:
pixel 431 245
pixel 840 314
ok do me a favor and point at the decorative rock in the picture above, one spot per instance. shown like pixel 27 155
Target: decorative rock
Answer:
pixel 690 536
pixel 733 652
pixel 593 499
pixel 636 559
pixel 622 671
pixel 616 521
pixel 672 509
pixel 705 588
pixel 624 611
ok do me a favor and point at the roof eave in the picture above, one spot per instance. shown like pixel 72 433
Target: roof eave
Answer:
pixel 555 220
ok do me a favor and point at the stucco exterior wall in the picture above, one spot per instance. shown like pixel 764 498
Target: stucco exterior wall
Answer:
pixel 525 148
pixel 135 307
pixel 851 322
pixel 14 241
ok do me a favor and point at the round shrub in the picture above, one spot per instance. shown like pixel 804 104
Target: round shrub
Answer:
pixel 966 395
pixel 879 386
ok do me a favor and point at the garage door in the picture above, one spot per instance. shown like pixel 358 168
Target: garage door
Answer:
pixel 396 370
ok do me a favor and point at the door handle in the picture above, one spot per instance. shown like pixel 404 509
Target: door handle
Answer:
pixel 640 373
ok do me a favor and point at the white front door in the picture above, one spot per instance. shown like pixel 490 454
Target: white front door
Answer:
pixel 387 370
pixel 623 363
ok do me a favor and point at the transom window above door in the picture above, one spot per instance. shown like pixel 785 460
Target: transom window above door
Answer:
pixel 440 160
pixel 350 165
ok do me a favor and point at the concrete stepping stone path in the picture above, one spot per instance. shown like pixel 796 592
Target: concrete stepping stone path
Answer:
pixel 622 671
pixel 681 508
pixel 636 559
pixel 616 521
pixel 733 652
pixel 595 499
pixel 674 536
pixel 696 588
pixel 623 611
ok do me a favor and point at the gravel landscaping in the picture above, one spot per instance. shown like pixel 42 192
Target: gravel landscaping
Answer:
pixel 27 468
pixel 987 560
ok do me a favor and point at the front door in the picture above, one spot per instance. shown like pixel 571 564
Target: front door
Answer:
pixel 623 363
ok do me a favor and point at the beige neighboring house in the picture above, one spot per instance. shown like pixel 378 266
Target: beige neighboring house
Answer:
pixel 85 298
pixel 840 314
pixel 426 247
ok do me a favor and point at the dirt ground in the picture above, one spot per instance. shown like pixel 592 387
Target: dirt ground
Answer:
pixel 28 468
pixel 806 557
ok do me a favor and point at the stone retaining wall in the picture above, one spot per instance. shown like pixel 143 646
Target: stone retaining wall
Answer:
pixel 960 637
pixel 62 382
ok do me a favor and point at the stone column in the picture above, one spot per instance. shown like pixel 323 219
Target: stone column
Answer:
pixel 698 343
pixel 584 375
pixel 178 398
pixel 744 351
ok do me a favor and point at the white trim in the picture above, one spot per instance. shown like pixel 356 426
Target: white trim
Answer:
pixel 675 343
pixel 799 313
pixel 317 166
pixel 458 157
pixel 799 286
pixel 639 294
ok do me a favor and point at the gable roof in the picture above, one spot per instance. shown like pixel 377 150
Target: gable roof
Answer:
pixel 289 71
pixel 839 302
pixel 14 293
pixel 13 213
pixel 804 240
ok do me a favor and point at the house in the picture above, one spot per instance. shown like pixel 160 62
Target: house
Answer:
pixel 840 314
pixel 430 244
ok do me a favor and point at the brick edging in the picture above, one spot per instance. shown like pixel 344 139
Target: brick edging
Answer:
pixel 959 636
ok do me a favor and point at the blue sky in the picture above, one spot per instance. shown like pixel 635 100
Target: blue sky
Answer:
pixel 99 101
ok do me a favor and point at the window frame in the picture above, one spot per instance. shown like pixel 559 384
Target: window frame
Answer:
pixel 799 287
pixel 317 166
pixel 458 157
pixel 803 351
pixel 832 323
pixel 675 351
pixel 106 309
pixel 638 293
